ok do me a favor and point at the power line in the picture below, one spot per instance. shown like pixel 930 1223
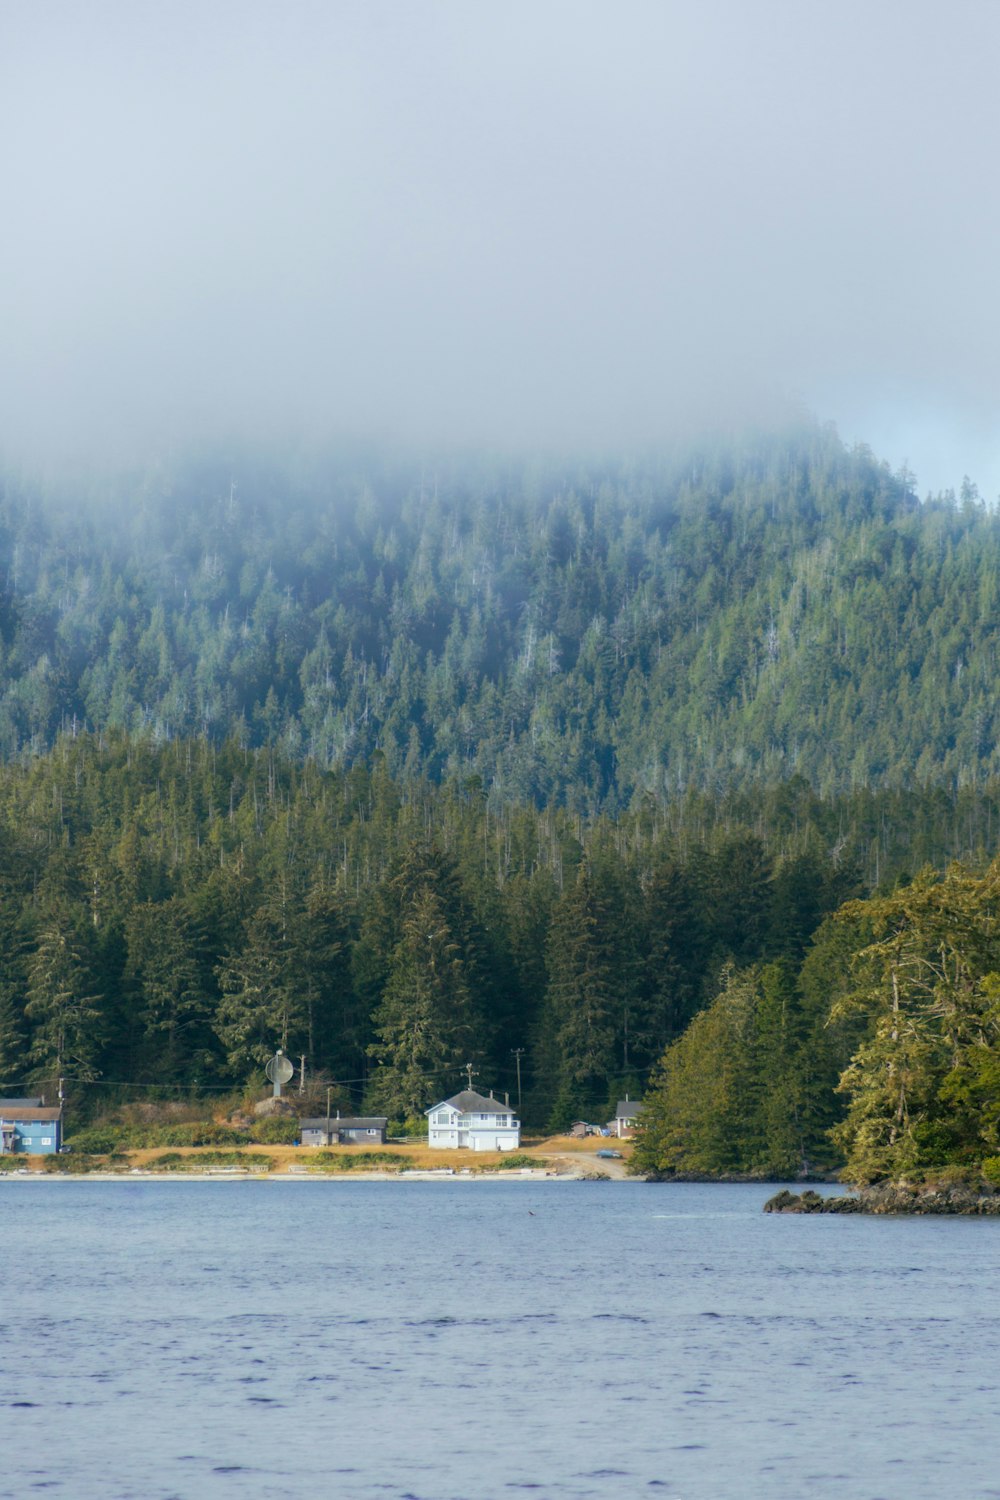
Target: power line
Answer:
pixel 233 1088
pixel 221 1088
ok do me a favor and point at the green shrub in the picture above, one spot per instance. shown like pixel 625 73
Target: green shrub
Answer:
pixel 955 1175
pixel 359 1161
pixel 173 1161
pixel 200 1133
pixel 515 1161
pixel 77 1163
pixel 100 1140
pixel 10 1162
pixel 274 1130
pixel 991 1171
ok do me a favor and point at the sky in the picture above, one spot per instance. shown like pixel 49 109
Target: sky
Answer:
pixel 552 223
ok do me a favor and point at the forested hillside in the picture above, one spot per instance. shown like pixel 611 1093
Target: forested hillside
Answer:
pixel 405 769
pixel 721 619
pixel 169 915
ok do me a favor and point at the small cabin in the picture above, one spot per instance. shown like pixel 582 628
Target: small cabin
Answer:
pixel 344 1130
pixel 626 1117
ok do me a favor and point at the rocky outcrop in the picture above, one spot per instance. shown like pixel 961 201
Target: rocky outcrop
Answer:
pixel 272 1106
pixel 758 1177
pixel 891 1198
pixel 810 1203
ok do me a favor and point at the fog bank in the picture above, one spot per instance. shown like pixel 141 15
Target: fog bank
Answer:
pixel 558 224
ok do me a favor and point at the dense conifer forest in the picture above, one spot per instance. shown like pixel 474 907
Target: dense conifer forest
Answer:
pixel 723 619
pixel 402 767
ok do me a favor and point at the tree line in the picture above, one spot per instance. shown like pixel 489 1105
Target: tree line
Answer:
pixel 881 1054
pixel 170 915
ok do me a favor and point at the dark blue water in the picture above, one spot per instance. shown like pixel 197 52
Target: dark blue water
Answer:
pixel 486 1340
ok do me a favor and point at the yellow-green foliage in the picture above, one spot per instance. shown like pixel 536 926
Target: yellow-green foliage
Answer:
pixel 730 1095
pixel 515 1161
pixel 359 1161
pixel 173 1161
pixel 78 1163
pixel 991 1171
pixel 276 1131
pixel 923 1086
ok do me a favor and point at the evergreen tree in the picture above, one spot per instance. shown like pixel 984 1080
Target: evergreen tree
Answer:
pixel 675 949
pixel 703 1111
pixel 64 1011
pixel 424 1023
pixel 262 1005
pixel 337 1029
pixel 581 1021
pixel 172 1008
pixel 927 984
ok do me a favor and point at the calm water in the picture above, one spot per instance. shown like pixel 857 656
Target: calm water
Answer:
pixel 471 1341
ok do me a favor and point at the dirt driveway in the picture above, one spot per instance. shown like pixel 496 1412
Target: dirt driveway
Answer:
pixel 586 1163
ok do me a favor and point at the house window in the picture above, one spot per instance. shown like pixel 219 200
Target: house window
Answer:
pixel 46 1140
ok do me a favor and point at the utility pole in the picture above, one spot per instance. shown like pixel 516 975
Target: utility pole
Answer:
pixel 517 1053
pixel 302 1074
pixel 471 1072
pixel 328 1093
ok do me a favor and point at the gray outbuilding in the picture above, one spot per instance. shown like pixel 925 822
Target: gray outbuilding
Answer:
pixel 626 1117
pixel 344 1130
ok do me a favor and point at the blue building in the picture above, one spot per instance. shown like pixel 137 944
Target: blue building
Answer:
pixel 29 1127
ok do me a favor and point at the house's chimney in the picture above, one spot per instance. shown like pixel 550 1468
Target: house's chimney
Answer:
pixel 491 1093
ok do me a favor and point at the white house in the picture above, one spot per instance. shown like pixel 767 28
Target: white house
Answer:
pixel 626 1117
pixel 470 1119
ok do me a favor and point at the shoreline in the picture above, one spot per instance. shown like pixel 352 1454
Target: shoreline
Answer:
pixel 897 1198
pixel 552 1160
pixel 305 1174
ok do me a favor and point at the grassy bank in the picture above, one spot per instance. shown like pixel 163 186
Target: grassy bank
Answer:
pixel 558 1155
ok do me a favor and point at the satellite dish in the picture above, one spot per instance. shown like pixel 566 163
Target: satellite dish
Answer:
pixel 279 1069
